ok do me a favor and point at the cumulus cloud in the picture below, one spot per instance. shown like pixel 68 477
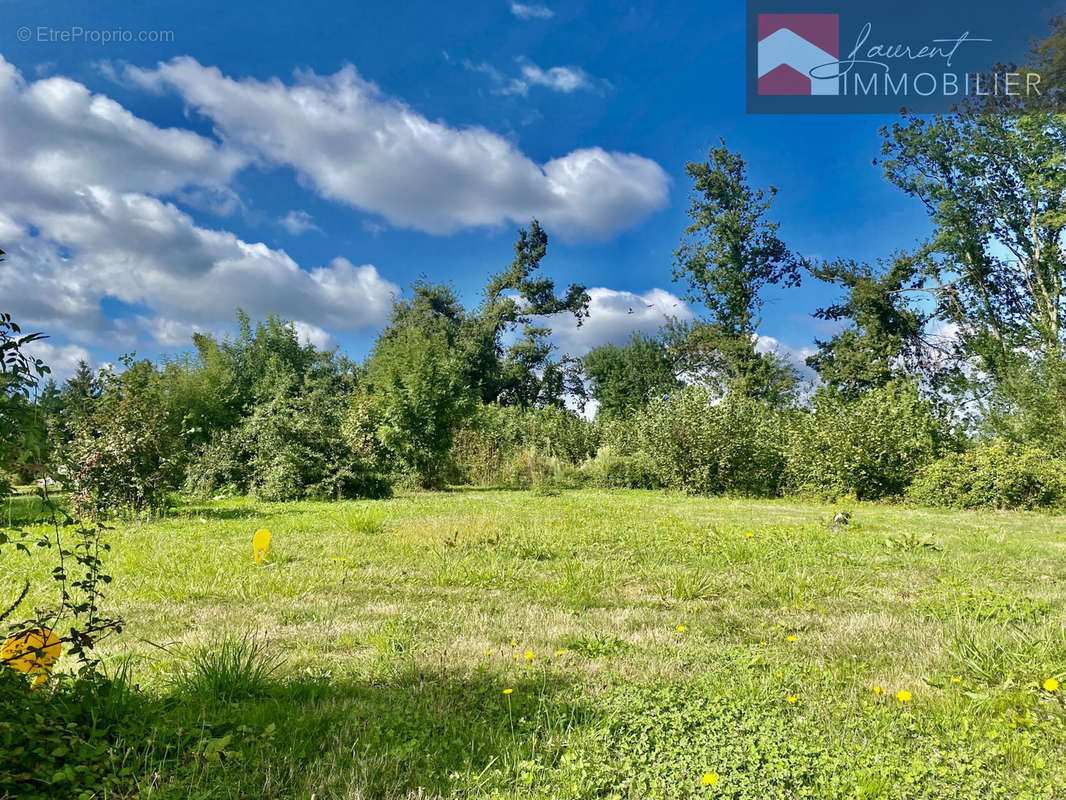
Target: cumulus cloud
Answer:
pixel 355 145
pixel 82 225
pixel 297 222
pixel 614 316
pixel 531 11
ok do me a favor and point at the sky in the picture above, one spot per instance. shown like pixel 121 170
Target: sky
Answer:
pixel 313 159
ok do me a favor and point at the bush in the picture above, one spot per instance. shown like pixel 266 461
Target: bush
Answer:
pixel 65 743
pixel 997 474
pixel 613 470
pixel 868 446
pixel 422 399
pixel 125 456
pixel 697 444
pixel 291 447
pixel 509 446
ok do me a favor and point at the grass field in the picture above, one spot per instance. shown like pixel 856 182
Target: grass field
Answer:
pixel 616 645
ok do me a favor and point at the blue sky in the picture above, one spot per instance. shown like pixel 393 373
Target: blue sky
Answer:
pixel 211 141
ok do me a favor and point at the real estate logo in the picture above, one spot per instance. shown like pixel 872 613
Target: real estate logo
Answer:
pixel 791 49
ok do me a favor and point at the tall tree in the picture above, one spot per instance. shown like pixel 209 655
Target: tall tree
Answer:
pixel 883 339
pixel 524 374
pixel 995 190
pixel 729 254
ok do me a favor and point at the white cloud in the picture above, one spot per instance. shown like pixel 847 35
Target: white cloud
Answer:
pixel 355 145
pixel 62 359
pixel 559 79
pixel 321 339
pixel 531 11
pixel 81 224
pixel 297 222
pixel 614 316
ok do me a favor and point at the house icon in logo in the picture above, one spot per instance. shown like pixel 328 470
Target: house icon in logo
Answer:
pixel 790 46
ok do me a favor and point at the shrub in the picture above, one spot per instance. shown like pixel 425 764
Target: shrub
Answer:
pixel 869 446
pixel 292 447
pixel 506 445
pixel 63 743
pixel 613 470
pixel 699 444
pixel 126 454
pixel 422 399
pixel 997 474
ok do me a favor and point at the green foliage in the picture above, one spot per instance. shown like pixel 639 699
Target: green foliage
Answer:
pixel 728 363
pixel 731 251
pixel 509 446
pixel 698 444
pixel 996 474
pixel 63 743
pixel 610 469
pixel 126 454
pixel 625 379
pixel 418 386
pixel 868 446
pixel 994 186
pixel 884 339
pixel 23 440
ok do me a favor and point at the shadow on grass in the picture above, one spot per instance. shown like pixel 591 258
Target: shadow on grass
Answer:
pixel 435 732
pixel 210 513
pixel 413 733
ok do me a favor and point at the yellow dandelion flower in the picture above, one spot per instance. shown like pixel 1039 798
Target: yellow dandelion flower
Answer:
pixel 790 638
pixel 762 644
pixel 903 696
pixel 779 674
pixel 791 699
pixel 681 629
pixel 508 691
pixel 559 652
pixel 1051 685
pixel 709 778
pixel 488 652
pixel 529 655
pixel 514 644
pixel 956 680
pixel 515 656
pixel 762 624
pixel 750 535
pixel 879 689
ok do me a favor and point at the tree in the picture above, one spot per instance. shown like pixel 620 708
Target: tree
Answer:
pixel 524 374
pixel 884 339
pixel 995 190
pixel 730 252
pixel 419 386
pixel 625 379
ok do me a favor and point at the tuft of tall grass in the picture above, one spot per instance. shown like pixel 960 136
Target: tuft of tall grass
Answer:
pixel 229 669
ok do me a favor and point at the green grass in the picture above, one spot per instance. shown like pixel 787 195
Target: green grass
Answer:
pixel 368 657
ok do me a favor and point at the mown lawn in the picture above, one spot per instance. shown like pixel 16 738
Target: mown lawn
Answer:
pixel 657 645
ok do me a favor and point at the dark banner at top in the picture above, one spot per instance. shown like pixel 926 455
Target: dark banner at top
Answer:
pixel 885 58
